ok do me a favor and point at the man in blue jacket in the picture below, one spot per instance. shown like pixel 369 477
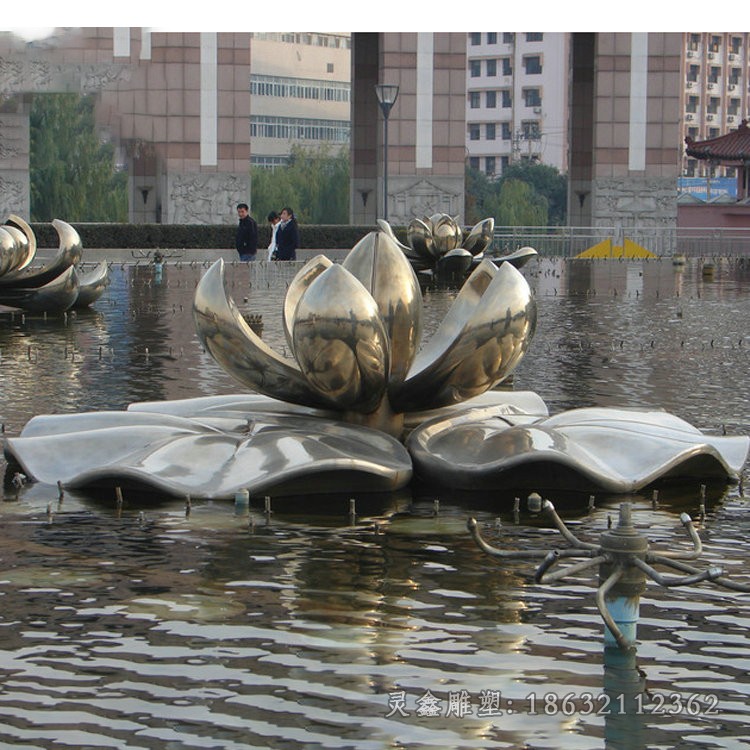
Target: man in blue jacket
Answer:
pixel 247 233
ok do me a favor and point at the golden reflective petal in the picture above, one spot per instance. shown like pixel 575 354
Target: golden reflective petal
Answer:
pixel 379 264
pixel 419 237
pixel 8 251
pixel 477 345
pixel 446 233
pixel 340 341
pixel 240 351
pixel 29 250
pixel 305 276
pixel 480 237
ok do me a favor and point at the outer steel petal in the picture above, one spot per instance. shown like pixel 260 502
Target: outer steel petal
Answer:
pixel 480 237
pixel 69 253
pixel 517 258
pixel 240 351
pixel 8 251
pixel 305 276
pixel 29 250
pixel 340 341
pixel 419 236
pixel 56 296
pixel 91 285
pixel 378 262
pixel 480 341
pixel 615 450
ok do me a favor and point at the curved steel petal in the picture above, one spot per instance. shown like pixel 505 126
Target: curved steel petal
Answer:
pixel 69 253
pixel 29 250
pixel 480 237
pixel 340 341
pixel 446 233
pixel 91 285
pixel 454 263
pixel 517 258
pixel 419 237
pixel 482 338
pixel 615 450
pixel 305 276
pixel 57 295
pixel 9 251
pixel 378 262
pixel 240 351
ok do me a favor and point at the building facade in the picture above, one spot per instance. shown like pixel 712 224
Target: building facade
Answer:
pixel 516 99
pixel 300 94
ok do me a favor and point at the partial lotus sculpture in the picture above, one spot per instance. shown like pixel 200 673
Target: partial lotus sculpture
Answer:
pixel 438 247
pixel 57 285
pixel 334 415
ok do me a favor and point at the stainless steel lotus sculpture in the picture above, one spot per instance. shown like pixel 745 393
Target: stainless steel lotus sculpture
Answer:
pixel 437 246
pixel 332 416
pixel 57 285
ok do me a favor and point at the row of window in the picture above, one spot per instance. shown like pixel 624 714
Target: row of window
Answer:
pixel 529 131
pixel 337 41
pixel 531 98
pixel 490 163
pixel 300 88
pixel 532 65
pixel 713 105
pixel 714 74
pixel 300 128
pixel 714 43
pixel 508 37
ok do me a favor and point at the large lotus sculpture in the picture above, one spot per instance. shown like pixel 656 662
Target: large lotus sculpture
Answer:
pixel 332 416
pixel 57 285
pixel 438 246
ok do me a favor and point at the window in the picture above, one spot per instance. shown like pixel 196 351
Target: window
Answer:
pixel 692 104
pixel 734 76
pixel 504 162
pixel 693 133
pixel 474 131
pixel 690 169
pixel 300 128
pixel 506 131
pixel 532 64
pixel 508 37
pixel 507 68
pixel 491 67
pixel 693 73
pixel 713 74
pixel 475 68
pixel 490 131
pixel 475 38
pixel 736 44
pixel 329 67
pixel 532 98
pixel 734 107
pixel 713 105
pixel 490 99
pixel 489 166
pixel 715 43
pixel 695 41
pixel 535 37
pixel 507 98
pixel 474 99
pixel 713 132
pixel 530 129
pixel 492 37
pixel 299 88
pixel 474 162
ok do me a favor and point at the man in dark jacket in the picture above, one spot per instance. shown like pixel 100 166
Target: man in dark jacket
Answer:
pixel 247 233
pixel 287 236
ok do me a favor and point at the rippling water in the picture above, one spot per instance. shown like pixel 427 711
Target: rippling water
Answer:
pixel 155 627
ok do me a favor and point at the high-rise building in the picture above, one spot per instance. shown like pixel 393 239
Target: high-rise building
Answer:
pixel 300 91
pixel 516 99
pixel 716 85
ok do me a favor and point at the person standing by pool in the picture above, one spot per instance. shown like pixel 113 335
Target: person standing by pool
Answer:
pixel 247 233
pixel 287 236
pixel 273 220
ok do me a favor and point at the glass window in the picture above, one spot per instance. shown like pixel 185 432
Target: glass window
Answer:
pixel 492 37
pixel 474 99
pixel 489 166
pixel 507 98
pixel 532 98
pixel 475 68
pixel 534 37
pixel 508 37
pixel 475 37
pixel 474 162
pixel 474 131
pixel 490 99
pixel 506 131
pixel 491 67
pixel 507 68
pixel 532 64
pixel 490 131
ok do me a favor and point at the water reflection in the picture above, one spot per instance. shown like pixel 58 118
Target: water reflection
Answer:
pixel 155 627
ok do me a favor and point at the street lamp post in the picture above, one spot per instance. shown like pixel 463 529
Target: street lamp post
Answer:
pixel 387 94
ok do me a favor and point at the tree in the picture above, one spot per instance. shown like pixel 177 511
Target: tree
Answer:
pixel 73 174
pixel 519 205
pixel 546 181
pixel 315 184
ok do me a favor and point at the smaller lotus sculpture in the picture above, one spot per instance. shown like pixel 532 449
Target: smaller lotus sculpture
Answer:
pixel 439 247
pixel 56 286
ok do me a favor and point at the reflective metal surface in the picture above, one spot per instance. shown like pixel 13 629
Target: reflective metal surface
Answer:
pixel 91 285
pixel 595 449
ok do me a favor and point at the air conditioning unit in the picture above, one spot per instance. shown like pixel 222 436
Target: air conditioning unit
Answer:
pixel 711 86
pixel 732 86
pixel 730 118
pixel 690 53
pixel 709 117
pixel 732 56
pixel 711 55
pixel 537 110
pixel 688 116
pixel 690 84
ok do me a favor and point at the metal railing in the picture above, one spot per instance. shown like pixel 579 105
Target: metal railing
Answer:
pixel 567 242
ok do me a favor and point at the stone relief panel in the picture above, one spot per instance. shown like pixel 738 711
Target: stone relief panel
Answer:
pixel 14 165
pixel 416 199
pixel 14 197
pixel 634 202
pixel 204 198
pixel 30 76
